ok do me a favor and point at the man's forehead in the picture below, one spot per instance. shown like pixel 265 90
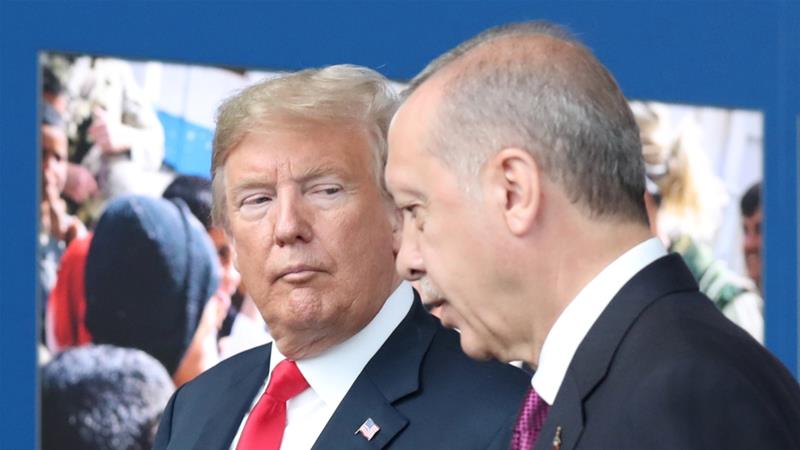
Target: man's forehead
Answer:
pixel 412 121
pixel 303 153
pixel 408 136
pixel 304 162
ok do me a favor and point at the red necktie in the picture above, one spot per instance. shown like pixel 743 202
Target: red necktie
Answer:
pixel 264 427
pixel 529 422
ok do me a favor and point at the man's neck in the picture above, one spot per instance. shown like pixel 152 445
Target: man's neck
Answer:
pixel 573 260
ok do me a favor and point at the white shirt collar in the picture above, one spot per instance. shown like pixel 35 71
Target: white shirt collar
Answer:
pixel 581 313
pixel 331 373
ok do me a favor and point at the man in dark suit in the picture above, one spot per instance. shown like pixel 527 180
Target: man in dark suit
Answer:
pixel 517 163
pixel 356 361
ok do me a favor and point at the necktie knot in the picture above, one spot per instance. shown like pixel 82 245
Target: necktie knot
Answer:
pixel 529 422
pixel 264 427
pixel 286 381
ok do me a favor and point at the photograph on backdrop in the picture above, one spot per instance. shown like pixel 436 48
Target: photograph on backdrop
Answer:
pixel 138 289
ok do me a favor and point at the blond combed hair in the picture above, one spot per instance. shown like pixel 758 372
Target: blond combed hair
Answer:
pixel 340 94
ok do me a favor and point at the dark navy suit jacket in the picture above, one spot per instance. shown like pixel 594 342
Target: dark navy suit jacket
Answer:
pixel 420 388
pixel 662 368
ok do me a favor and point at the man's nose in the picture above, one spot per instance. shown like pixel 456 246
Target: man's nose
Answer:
pixel 292 224
pixel 409 261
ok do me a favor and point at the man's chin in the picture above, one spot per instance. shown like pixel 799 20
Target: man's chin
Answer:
pixel 474 348
pixel 447 315
pixel 298 349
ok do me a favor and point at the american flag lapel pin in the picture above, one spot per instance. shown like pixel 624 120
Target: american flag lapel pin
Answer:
pixel 368 429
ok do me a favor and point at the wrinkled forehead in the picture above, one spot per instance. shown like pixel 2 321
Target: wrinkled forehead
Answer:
pixel 306 131
pixel 302 152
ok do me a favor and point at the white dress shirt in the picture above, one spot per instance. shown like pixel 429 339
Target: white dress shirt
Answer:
pixel 582 312
pixel 331 373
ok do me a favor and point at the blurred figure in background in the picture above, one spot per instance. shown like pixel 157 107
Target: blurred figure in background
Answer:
pixel 243 327
pixel 681 200
pixel 692 197
pixel 151 279
pixel 195 191
pixel 57 227
pixel 54 93
pixel 102 398
pixel 80 184
pixel 66 305
pixel 751 223
pixel 115 134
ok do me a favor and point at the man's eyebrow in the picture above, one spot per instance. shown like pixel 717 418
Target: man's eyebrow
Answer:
pixel 318 171
pixel 249 183
pixel 310 173
pixel 407 193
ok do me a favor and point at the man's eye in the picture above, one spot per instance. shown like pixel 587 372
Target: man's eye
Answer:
pixel 412 212
pixel 326 190
pixel 256 200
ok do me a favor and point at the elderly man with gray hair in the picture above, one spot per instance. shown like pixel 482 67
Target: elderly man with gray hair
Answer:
pixel 356 360
pixel 518 165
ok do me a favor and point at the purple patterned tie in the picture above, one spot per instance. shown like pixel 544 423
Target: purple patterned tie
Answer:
pixel 530 421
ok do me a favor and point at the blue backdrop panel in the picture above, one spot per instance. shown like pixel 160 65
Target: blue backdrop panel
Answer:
pixel 723 53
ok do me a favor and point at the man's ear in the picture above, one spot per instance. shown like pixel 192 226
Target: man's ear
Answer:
pixel 513 184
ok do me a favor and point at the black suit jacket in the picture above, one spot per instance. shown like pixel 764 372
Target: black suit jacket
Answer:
pixel 420 388
pixel 662 368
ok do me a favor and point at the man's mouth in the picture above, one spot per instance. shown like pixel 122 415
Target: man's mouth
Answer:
pixel 435 303
pixel 298 273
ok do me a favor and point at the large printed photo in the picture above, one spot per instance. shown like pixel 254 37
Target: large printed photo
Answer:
pixel 132 308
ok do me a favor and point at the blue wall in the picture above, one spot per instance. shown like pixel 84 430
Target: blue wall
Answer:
pixel 724 53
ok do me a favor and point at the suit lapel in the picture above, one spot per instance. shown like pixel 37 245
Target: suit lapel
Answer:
pixel 363 401
pixel 235 400
pixel 564 421
pixel 393 373
pixel 594 355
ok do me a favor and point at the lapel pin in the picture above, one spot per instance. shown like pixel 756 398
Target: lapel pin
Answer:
pixel 557 439
pixel 368 429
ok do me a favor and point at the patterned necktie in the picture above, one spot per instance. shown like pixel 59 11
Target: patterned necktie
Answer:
pixel 264 427
pixel 529 422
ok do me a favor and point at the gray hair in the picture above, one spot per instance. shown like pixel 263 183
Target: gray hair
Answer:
pixel 335 94
pixel 511 29
pixel 539 89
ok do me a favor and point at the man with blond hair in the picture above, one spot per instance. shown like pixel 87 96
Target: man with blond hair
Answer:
pixel 518 166
pixel 356 360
